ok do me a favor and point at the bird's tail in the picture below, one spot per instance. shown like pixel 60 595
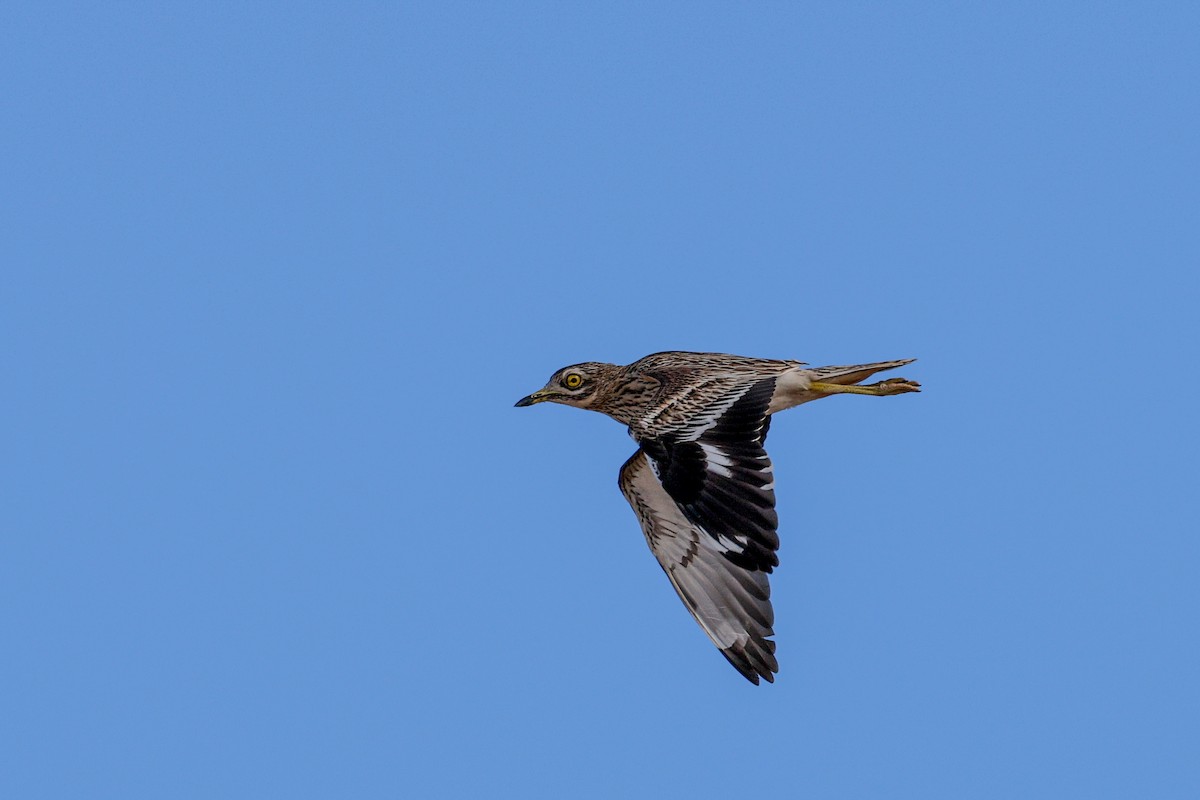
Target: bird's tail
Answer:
pixel 847 375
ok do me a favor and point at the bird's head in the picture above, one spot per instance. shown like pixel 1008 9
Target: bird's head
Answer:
pixel 578 385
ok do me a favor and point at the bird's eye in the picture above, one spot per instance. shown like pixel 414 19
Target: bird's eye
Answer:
pixel 573 381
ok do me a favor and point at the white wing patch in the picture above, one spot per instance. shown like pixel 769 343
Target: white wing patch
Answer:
pixel 718 461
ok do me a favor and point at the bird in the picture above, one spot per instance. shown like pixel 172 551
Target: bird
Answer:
pixel 701 483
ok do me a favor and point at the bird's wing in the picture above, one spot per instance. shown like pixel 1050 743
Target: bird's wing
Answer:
pixel 715 469
pixel 731 603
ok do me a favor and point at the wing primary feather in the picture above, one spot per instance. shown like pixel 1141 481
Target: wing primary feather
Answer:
pixel 730 601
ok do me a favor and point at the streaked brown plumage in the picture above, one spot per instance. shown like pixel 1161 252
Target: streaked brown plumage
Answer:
pixel 701 483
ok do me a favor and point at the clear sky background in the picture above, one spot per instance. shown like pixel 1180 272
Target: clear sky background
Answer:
pixel 273 277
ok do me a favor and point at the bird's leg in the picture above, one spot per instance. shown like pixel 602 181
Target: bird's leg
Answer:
pixel 880 389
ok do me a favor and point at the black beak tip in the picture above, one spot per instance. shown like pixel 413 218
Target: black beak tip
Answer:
pixel 524 401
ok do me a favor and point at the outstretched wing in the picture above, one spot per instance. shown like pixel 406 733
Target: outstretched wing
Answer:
pixel 716 470
pixel 732 603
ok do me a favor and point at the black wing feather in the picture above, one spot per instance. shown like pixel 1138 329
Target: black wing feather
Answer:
pixel 722 479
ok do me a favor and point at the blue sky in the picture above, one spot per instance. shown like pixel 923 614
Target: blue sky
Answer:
pixel 275 275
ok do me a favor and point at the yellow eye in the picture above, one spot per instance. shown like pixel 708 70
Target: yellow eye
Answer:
pixel 573 381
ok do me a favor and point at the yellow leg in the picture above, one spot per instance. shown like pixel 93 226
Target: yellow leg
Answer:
pixel 881 389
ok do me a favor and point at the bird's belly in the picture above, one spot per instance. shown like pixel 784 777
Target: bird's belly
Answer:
pixel 791 389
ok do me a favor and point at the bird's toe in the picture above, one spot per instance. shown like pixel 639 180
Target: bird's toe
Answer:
pixel 899 386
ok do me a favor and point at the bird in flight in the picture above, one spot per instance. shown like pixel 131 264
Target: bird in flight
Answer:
pixel 701 483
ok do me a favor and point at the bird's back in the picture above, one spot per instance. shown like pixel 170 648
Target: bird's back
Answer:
pixel 673 360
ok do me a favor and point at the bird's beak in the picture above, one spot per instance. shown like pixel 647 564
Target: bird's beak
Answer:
pixel 539 396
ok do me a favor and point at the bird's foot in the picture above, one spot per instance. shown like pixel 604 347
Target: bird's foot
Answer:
pixel 895 386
